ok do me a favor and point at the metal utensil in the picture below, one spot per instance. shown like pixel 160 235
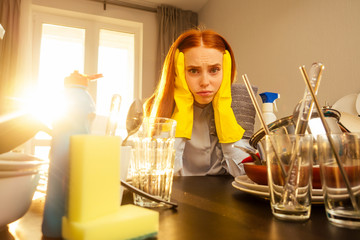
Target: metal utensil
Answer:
pixel 252 153
pixel 114 115
pixel 147 195
pixel 134 119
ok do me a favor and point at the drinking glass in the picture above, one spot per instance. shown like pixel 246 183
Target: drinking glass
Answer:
pixel 152 164
pixel 289 165
pixel 341 184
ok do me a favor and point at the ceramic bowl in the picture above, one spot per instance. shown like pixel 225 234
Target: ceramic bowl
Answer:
pixel 17 193
pixel 258 174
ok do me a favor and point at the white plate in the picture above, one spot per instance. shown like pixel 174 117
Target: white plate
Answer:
pixel 8 165
pixel 11 161
pixel 351 122
pixel 243 183
pixel 347 104
pixel 7 174
pixel 16 156
pixel 246 182
pixel 245 189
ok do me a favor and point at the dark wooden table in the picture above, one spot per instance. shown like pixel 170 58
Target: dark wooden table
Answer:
pixel 210 208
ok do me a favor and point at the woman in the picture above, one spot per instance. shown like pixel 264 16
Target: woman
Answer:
pixel 195 90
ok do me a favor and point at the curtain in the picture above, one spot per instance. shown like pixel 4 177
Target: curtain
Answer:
pixel 172 23
pixel 9 19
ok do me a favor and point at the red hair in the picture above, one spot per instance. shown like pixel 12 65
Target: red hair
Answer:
pixel 161 103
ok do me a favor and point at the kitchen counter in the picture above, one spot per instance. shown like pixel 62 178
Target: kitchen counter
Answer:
pixel 209 208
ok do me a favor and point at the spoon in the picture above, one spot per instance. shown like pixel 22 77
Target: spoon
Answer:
pixel 134 119
pixel 252 153
pixel 147 195
pixel 114 115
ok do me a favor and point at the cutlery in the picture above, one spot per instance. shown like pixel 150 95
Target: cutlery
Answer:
pixel 114 115
pixel 134 119
pixel 252 153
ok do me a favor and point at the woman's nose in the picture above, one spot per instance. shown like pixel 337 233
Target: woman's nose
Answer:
pixel 204 81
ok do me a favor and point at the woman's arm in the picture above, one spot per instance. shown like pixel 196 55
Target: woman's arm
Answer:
pixel 179 147
pixel 232 157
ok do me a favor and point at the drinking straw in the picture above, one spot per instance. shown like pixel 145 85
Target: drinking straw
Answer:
pixel 261 117
pixel 302 123
pixel 332 145
pixel 301 126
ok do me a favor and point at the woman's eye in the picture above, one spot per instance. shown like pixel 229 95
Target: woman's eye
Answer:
pixel 214 69
pixel 193 71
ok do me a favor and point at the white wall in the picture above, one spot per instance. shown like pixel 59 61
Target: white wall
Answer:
pixel 150 31
pixel 271 39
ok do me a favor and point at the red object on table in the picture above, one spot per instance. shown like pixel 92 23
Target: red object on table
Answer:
pixel 249 159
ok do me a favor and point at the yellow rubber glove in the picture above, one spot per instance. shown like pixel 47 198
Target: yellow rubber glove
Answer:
pixel 227 128
pixel 184 100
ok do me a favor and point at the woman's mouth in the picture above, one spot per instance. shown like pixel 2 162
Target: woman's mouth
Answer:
pixel 204 93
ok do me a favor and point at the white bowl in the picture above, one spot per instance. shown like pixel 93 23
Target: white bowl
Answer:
pixel 16 194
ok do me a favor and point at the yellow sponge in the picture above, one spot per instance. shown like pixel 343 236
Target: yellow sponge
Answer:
pixel 93 205
pixel 129 222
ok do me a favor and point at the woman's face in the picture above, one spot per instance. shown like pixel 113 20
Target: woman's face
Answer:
pixel 203 73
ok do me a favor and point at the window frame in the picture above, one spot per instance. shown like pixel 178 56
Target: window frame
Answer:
pixel 92 25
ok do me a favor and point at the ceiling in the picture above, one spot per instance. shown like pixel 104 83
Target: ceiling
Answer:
pixel 193 5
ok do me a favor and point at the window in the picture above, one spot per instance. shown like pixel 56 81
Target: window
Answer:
pixel 115 62
pixel 90 44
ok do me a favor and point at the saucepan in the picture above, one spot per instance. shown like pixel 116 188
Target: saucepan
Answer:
pixel 286 125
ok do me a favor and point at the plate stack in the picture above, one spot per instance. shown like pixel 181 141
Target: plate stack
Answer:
pixel 19 177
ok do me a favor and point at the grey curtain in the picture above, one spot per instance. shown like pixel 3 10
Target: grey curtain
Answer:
pixel 172 22
pixel 9 45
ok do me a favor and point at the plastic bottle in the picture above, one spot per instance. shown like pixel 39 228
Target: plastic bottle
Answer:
pixel 269 106
pixel 79 112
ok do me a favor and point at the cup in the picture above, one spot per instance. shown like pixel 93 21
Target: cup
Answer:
pixel 152 164
pixel 341 184
pixel 289 166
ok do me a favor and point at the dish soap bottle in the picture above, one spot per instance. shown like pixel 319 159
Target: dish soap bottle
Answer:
pixel 269 106
pixel 78 114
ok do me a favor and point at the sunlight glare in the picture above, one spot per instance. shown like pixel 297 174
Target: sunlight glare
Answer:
pixel 62 52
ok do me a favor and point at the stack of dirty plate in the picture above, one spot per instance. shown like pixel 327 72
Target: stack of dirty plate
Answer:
pixel 19 177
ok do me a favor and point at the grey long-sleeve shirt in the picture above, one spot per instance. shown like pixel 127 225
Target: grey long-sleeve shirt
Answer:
pixel 203 154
